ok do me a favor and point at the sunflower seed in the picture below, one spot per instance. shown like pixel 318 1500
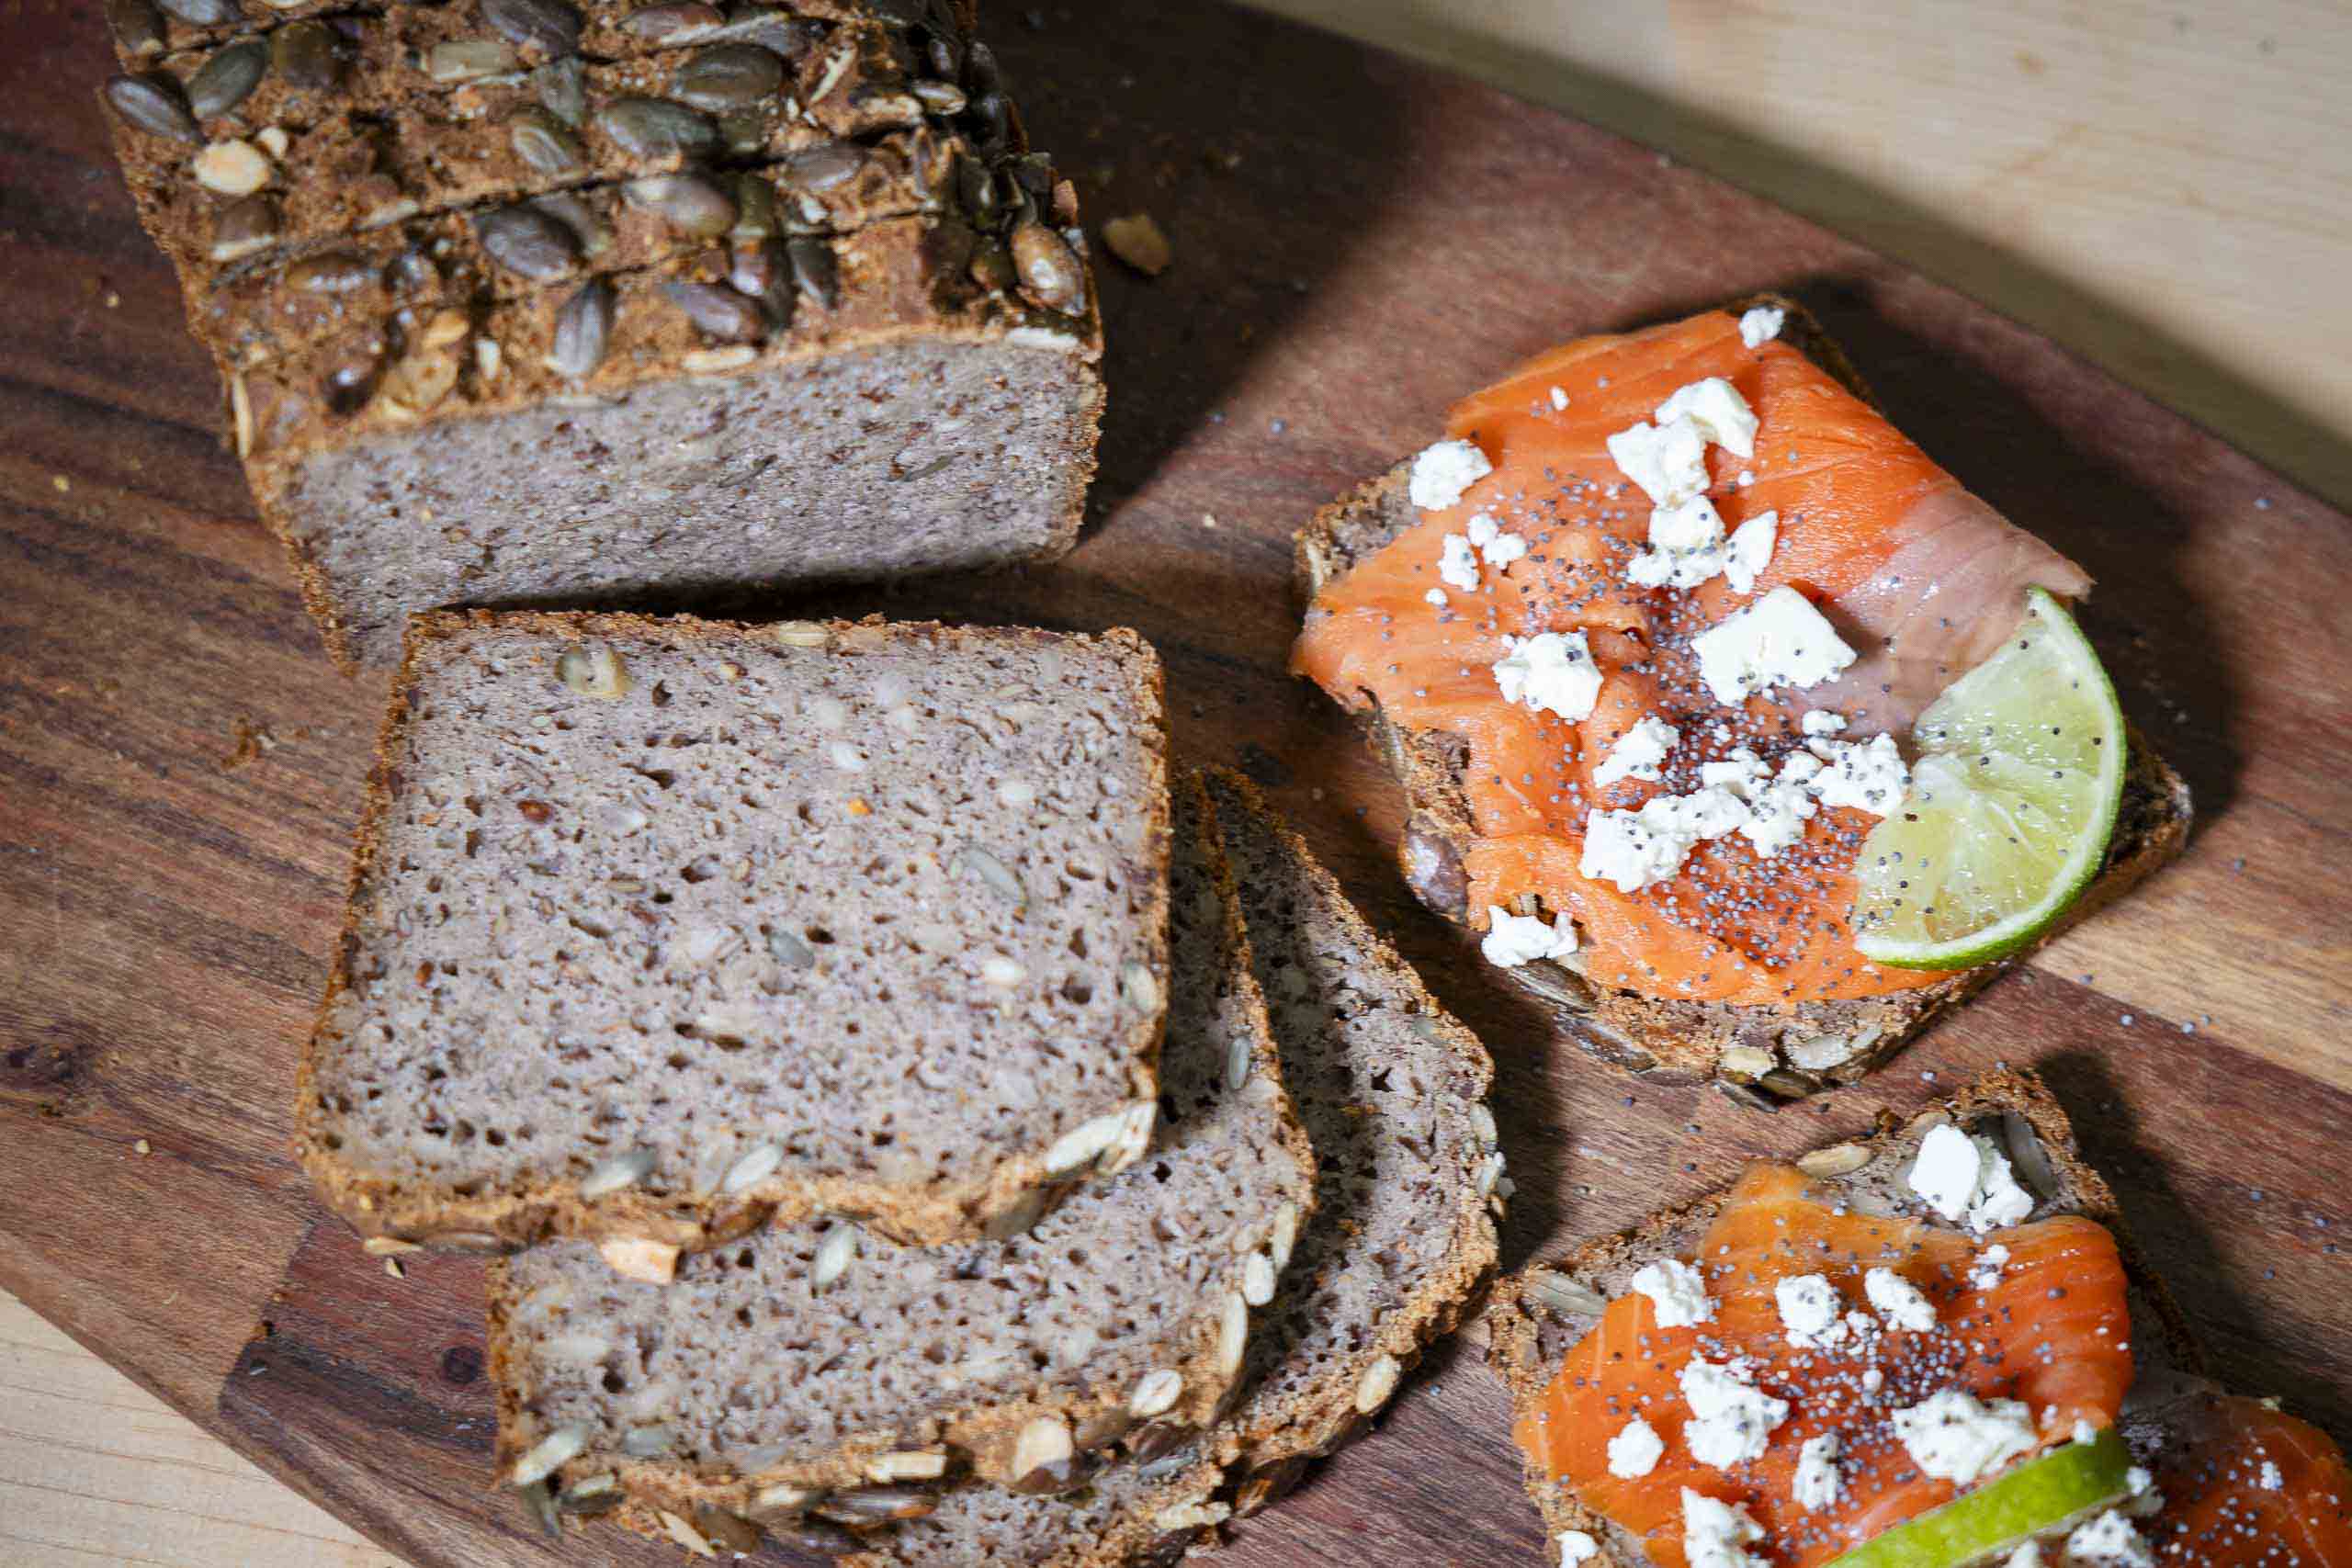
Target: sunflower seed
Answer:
pixel 1747 1061
pixel 232 168
pixel 993 267
pixel 1048 268
pixel 333 272
pixel 783 1498
pixel 584 326
pixel 587 224
pixel 833 1255
pixel 736 1534
pixel 305 57
pixel 1155 1393
pixel 203 13
pixel 993 114
pixel 558 1448
pixel 595 1495
pixel 241 416
pixel 1258 1279
pixel 980 70
pixel 656 128
pixel 719 361
pixel 227 78
pixel 1083 1143
pixel 1232 1334
pixel 727 76
pixel 941 97
pixel 1133 1137
pixel 563 89
pixel 815 270
pixel 993 873
pixel 530 242
pixel 1041 1457
pixel 801 634
pixel 756 271
pixel 1563 1295
pixel 1139 987
pixel 752 1169
pixel 720 311
pixel 549 26
pixel 754 208
pixel 1284 1237
pixel 146 104
pixel 909 1464
pixel 463 60
pixel 1379 1381
pixel 876 1505
pixel 694 204
pixel 679 23
pixel 138 25
pixel 819 169
pixel 621 1170
pixel 243 228
pixel 594 672
pixel 684 1534
pixel 646 1442
pixel 544 144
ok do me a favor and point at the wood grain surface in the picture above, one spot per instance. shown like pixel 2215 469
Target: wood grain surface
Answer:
pixel 1358 240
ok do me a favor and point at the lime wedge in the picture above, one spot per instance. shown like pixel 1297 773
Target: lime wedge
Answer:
pixel 2054 1492
pixel 2013 799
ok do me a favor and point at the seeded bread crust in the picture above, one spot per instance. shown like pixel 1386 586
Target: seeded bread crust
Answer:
pixel 503 1220
pixel 1536 1315
pixel 1233 1077
pixel 1762 1055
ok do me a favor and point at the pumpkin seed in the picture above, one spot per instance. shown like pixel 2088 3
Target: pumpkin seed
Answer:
pixel 656 128
pixel 679 23
pixel 815 271
pixel 778 32
pixel 819 169
pixel 544 144
pixel 941 97
pixel 981 71
pixel 155 106
pixel 528 240
pixel 1048 268
pixel 993 267
pixel 720 311
pixel 203 13
pixel 1838 1159
pixel 586 224
pixel 550 27
pixel 727 76
pixel 137 26
pixel 462 60
pixel 1563 1295
pixel 833 1258
pixel 562 87
pixel 782 1498
pixel 305 57
pixel 243 228
pixel 227 78
pixel 692 204
pixel 754 208
pixel 684 1534
pixel 992 113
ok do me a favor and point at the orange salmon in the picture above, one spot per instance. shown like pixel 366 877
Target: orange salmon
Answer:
pixel 2246 1486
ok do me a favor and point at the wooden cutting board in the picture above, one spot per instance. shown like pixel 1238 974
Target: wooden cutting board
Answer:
pixel 1357 241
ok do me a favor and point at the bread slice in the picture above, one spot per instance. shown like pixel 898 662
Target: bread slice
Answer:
pixel 660 928
pixel 1765 1053
pixel 809 1366
pixel 1537 1315
pixel 1393 1092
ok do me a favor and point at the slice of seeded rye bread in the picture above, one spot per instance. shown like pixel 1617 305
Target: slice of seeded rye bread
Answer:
pixel 1393 1092
pixel 1762 1055
pixel 1535 1315
pixel 810 1368
pixel 606 860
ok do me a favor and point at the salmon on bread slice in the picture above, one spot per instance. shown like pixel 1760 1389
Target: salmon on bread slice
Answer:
pixel 1743 965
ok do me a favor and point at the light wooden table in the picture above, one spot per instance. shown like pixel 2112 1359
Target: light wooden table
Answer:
pixel 2164 187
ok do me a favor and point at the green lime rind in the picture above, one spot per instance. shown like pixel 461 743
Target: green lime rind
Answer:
pixel 2054 1492
pixel 2013 800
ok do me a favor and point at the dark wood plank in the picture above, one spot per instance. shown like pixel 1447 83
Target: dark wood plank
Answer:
pixel 1357 241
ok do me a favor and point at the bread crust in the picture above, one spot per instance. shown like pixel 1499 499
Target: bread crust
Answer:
pixel 1762 1055
pixel 497 1222
pixel 1522 1326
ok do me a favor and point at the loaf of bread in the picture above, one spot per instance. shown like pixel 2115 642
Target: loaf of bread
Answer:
pixel 660 928
pixel 813 1369
pixel 545 302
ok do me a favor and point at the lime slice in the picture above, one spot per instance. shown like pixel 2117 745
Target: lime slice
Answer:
pixel 2013 799
pixel 2055 1492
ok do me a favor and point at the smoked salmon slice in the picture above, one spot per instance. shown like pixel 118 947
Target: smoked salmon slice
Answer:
pixel 1919 577
pixel 2048 1325
pixel 2248 1486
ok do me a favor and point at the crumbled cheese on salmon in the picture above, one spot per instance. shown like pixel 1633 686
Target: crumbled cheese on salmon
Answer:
pixel 1670 461
pixel 1513 940
pixel 1760 324
pixel 1750 550
pixel 1963 1178
pixel 1549 670
pixel 1810 1311
pixel 1676 1292
pixel 1954 1436
pixel 1866 775
pixel 2109 1540
pixel 1731 1420
pixel 1686 546
pixel 1639 752
pixel 2025 1556
pixel 1779 640
pixel 1987 1273
pixel 1640 848
pixel 1899 1302
pixel 1635 1451
pixel 2271 1479
pixel 1436 596
pixel 1817 1484
pixel 1715 1533
pixel 1456 566
pixel 1576 1547
pixel 1559 397
pixel 1715 406
pixel 1445 471
pixel 1822 721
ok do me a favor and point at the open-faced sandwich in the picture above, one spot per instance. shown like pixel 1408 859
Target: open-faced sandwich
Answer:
pixel 1750 739
pixel 1931 1349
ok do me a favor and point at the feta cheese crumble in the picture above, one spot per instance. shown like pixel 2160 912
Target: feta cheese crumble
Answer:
pixel 1639 752
pixel 1576 1547
pixel 1899 1302
pixel 1954 1438
pixel 1456 566
pixel 2025 1556
pixel 1670 462
pixel 1817 1482
pixel 1436 596
pixel 1559 397
pixel 1761 325
pixel 1715 1534
pixel 1639 847
pixel 1549 670
pixel 1987 1273
pixel 1513 940
pixel 1443 472
pixel 1722 415
pixel 1811 1311
pixel 1750 550
pixel 1731 1419
pixel 1779 640
pixel 1822 721
pixel 1966 1178
pixel 1686 547
pixel 1676 1292
pixel 2109 1540
pixel 1868 775
pixel 1635 1451
pixel 2271 1479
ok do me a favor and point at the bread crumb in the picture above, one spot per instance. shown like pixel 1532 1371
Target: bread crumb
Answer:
pixel 143 1147
pixel 1137 240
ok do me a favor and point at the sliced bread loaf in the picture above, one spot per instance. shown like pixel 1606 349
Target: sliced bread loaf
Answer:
pixel 811 1368
pixel 1538 1315
pixel 659 929
pixel 1392 1090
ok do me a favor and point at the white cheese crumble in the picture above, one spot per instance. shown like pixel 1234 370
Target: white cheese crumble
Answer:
pixel 2110 1539
pixel 1676 1292
pixel 1731 1419
pixel 1750 550
pixel 1670 462
pixel 1899 1302
pixel 1550 670
pixel 1443 472
pixel 1822 721
pixel 1456 566
pixel 1811 1311
pixel 1954 1438
pixel 1715 1534
pixel 1635 1451
pixel 1576 1547
pixel 1559 397
pixel 1639 752
pixel 1507 548
pixel 2025 1556
pixel 2138 1481
pixel 1686 547
pixel 1639 847
pixel 2271 1479
pixel 1715 406
pixel 1746 477
pixel 1779 640
pixel 1774 809
pixel 1866 775
pixel 1762 324
pixel 1513 940
pixel 1987 1271
pixel 1436 596
pixel 1967 1178
pixel 1817 1482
